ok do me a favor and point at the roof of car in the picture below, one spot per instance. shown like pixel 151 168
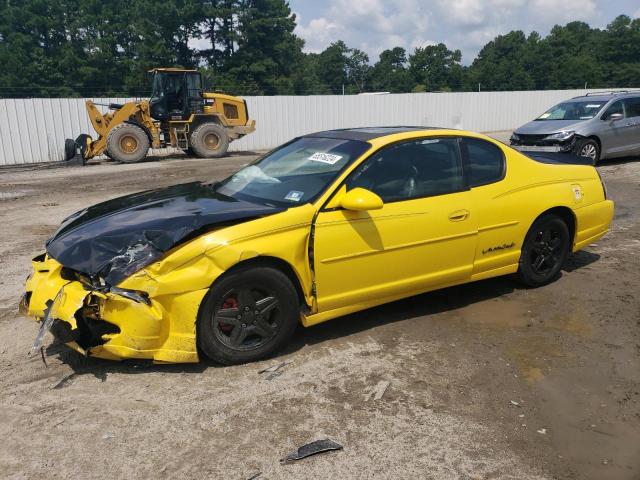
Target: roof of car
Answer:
pixel 364 134
pixel 606 96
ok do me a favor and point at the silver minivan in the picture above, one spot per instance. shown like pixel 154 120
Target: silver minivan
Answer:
pixel 596 125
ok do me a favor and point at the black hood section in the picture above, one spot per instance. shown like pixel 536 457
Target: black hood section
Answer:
pixel 117 237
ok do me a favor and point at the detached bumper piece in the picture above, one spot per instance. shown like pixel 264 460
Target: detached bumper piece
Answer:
pixel 110 323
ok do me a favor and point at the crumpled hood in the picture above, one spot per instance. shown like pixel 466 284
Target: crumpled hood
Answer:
pixel 542 127
pixel 110 237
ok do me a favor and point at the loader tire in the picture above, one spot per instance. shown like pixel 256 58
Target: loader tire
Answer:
pixel 209 140
pixel 127 143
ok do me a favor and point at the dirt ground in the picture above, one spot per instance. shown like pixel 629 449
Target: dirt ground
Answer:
pixel 483 381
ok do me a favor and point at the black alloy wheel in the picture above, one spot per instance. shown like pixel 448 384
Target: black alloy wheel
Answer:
pixel 246 318
pixel 248 314
pixel 544 251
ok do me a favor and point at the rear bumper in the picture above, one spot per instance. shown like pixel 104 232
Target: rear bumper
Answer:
pixel 242 130
pixel 111 326
pixel 593 222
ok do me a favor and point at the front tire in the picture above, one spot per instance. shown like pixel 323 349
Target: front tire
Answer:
pixel 209 140
pixel 589 148
pixel 127 143
pixel 544 251
pixel 248 315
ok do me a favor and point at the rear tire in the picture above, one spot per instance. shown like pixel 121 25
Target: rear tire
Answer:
pixel 589 148
pixel 127 143
pixel 247 315
pixel 544 251
pixel 209 140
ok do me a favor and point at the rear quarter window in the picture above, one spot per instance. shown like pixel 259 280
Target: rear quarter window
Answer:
pixel 485 162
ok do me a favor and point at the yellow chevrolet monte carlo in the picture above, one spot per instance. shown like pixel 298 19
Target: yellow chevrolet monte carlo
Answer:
pixel 327 224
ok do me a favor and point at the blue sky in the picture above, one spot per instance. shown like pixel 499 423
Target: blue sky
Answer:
pixel 374 25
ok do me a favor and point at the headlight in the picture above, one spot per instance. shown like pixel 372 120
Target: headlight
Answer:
pixel 564 135
pixel 514 137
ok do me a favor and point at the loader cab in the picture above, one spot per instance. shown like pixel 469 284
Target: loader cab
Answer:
pixel 176 94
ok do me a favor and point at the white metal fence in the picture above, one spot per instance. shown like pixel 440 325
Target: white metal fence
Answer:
pixel 34 130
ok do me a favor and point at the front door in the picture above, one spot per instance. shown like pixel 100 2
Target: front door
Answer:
pixel 617 135
pixel 423 237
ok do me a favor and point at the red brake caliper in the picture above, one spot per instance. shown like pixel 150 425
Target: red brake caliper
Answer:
pixel 229 302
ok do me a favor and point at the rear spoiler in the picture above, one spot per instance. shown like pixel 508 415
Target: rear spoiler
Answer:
pixel 557 158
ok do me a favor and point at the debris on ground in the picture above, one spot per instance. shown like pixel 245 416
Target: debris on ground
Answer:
pixel 274 370
pixel 312 448
pixel 108 435
pixel 254 476
pixel 514 403
pixel 64 381
pixel 542 431
pixel 378 391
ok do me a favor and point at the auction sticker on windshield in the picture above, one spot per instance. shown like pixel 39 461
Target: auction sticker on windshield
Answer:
pixel 294 196
pixel 328 158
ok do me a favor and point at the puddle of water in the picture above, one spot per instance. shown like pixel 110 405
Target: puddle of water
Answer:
pixel 497 313
pixel 532 374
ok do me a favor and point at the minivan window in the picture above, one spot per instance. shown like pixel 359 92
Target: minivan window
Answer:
pixel 414 169
pixel 615 107
pixel 632 106
pixel 577 110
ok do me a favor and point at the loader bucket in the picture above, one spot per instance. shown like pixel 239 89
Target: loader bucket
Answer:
pixel 69 149
pixel 74 150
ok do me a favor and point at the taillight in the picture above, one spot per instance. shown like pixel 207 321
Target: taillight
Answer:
pixel 604 186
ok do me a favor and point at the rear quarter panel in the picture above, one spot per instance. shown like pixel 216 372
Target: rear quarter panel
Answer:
pixel 507 209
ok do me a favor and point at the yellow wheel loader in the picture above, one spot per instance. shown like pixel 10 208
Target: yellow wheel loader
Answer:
pixel 178 114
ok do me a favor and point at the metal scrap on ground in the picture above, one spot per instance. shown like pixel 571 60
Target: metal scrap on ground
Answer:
pixel 274 370
pixel 377 392
pixel 312 448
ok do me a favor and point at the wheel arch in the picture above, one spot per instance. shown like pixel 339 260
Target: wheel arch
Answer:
pixel 567 216
pixel 200 118
pixel 275 263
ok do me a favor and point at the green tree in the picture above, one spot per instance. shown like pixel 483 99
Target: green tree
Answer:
pixel 501 64
pixel 390 73
pixel 268 52
pixel 436 67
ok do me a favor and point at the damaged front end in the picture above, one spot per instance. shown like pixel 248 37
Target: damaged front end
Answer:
pixel 125 278
pixel 563 141
pixel 110 322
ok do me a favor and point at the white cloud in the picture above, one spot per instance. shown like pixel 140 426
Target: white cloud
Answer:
pixel 374 25
pixel 370 25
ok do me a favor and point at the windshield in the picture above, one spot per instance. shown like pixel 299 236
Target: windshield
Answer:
pixel 295 173
pixel 573 111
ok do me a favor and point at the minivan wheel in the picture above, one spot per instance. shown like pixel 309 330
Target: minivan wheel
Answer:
pixel 588 148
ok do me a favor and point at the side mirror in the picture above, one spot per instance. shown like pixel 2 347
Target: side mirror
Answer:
pixel 361 199
pixel 614 117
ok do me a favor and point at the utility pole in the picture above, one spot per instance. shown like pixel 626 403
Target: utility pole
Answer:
pixel 343 89
pixel 478 86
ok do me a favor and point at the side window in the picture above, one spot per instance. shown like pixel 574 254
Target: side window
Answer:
pixel 632 106
pixel 413 169
pixel 615 107
pixel 485 160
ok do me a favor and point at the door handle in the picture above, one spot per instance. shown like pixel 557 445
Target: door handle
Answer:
pixel 459 215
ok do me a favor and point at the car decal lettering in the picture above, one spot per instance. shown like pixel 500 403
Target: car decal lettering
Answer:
pixel 504 246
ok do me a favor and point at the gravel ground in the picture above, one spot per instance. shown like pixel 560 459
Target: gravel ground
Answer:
pixel 482 381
